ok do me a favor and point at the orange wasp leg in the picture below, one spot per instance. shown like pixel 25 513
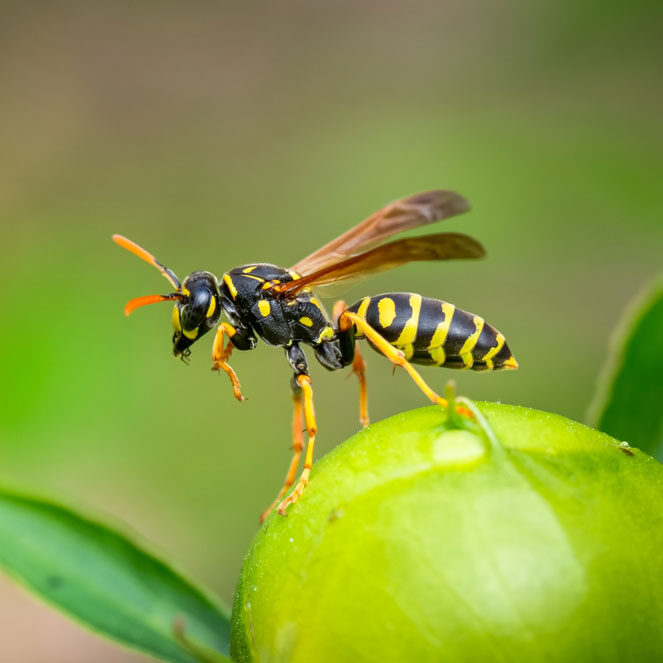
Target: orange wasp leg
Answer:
pixel 220 355
pixel 304 382
pixel 297 448
pixel 358 368
pixel 395 356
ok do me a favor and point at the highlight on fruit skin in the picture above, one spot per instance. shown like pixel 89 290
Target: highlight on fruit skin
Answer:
pixel 422 541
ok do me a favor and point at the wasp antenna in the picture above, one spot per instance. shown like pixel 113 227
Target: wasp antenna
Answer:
pixel 148 257
pixel 148 299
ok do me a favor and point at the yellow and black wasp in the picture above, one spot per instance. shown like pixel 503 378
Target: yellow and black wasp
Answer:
pixel 278 305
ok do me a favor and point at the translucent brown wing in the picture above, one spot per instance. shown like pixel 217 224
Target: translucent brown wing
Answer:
pixel 411 212
pixel 442 246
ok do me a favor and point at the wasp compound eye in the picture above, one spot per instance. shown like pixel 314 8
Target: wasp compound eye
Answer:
pixel 194 317
pixel 194 309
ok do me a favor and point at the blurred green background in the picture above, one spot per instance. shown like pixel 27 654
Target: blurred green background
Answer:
pixel 216 134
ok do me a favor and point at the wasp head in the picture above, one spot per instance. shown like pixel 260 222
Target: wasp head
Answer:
pixel 196 312
pixel 197 300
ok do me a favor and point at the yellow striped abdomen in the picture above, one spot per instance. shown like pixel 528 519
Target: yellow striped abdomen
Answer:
pixel 433 332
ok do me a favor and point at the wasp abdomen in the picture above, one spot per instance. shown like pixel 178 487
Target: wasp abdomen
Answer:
pixel 433 332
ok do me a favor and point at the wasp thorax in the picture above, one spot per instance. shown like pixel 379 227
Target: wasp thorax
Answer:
pixel 197 312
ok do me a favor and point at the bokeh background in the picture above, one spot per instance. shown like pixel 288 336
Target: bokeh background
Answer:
pixel 216 134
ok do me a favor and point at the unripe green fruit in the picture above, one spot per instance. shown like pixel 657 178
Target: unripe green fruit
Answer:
pixel 417 543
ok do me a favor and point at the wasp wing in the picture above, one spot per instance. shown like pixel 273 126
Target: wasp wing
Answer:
pixel 441 246
pixel 411 212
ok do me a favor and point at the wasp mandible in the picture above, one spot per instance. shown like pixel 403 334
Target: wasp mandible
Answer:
pixel 278 305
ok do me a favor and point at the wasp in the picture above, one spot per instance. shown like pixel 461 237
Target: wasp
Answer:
pixel 279 306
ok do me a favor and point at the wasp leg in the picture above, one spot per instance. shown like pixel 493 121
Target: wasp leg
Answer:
pixel 304 383
pixel 220 355
pixel 395 356
pixel 297 446
pixel 358 366
pixel 359 369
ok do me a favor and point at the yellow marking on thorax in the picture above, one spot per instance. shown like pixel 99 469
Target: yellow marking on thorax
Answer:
pixel 409 332
pixel 255 278
pixel 230 285
pixel 186 291
pixel 306 321
pixel 248 270
pixel 386 311
pixel 327 334
pixel 264 308
pixel 488 357
pixel 211 308
pixel 317 304
pixel 440 335
pixel 295 276
pixel 193 334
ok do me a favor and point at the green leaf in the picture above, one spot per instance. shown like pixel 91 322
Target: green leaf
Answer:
pixel 629 401
pixel 108 582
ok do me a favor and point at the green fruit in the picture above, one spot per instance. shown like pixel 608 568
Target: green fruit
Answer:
pixel 416 541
